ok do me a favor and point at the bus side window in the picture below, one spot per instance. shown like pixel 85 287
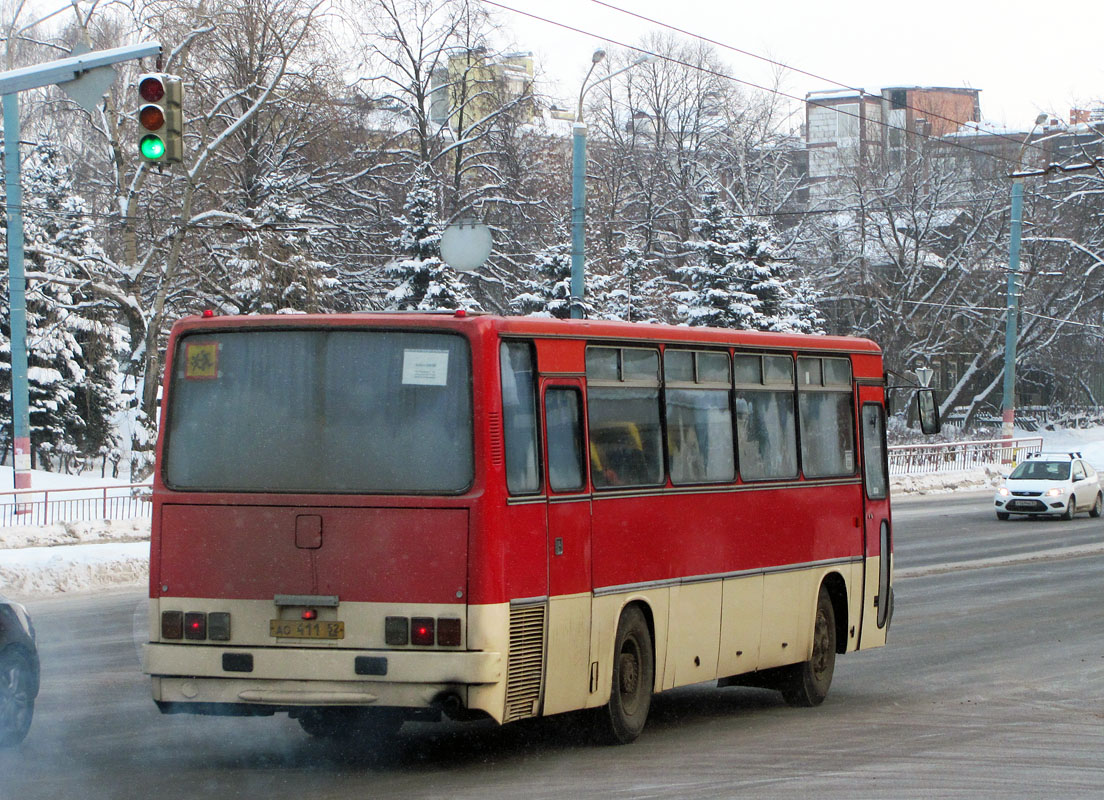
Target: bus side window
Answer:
pixel 563 411
pixel 626 445
pixel 766 433
pixel 519 417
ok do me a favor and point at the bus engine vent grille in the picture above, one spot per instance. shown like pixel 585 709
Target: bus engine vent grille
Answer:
pixel 497 445
pixel 525 665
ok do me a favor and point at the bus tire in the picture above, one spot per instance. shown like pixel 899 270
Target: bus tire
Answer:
pixel 806 684
pixel 622 719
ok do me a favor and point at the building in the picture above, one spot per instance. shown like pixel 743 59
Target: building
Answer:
pixel 848 128
pixel 472 86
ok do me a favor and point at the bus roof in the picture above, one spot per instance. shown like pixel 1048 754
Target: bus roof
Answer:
pixel 542 327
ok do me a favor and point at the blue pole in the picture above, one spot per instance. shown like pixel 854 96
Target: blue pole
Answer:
pixel 21 427
pixel 578 205
pixel 1009 402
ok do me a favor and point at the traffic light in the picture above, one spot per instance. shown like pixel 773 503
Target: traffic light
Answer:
pixel 160 118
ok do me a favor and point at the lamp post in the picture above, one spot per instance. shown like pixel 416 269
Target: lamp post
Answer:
pixel 1008 404
pixel 578 180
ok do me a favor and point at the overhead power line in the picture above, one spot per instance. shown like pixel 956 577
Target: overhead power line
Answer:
pixel 862 92
pixel 751 84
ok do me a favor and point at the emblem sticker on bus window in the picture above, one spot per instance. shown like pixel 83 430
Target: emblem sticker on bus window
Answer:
pixel 201 360
pixel 425 367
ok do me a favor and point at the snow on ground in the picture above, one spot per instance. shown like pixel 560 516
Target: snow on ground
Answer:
pixel 89 556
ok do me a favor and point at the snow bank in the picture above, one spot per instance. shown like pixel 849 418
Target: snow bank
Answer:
pixel 36 571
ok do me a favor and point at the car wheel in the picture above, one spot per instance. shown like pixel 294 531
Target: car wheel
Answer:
pixel 16 698
pixel 1003 515
pixel 1097 507
pixel 1071 508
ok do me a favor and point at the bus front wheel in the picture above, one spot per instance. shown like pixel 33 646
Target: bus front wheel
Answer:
pixel 806 684
pixel 623 718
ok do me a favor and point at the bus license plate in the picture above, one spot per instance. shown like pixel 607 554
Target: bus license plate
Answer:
pixel 302 629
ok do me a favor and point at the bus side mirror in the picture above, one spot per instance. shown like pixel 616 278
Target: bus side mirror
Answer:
pixel 928 411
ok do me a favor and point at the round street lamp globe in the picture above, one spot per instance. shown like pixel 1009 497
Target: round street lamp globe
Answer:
pixel 466 245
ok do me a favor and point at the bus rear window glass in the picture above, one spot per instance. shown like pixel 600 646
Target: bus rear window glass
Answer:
pixel 519 418
pixel 322 410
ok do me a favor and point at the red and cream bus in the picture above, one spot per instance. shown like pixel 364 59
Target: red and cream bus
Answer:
pixel 361 519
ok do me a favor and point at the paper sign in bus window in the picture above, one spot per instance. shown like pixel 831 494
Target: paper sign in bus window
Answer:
pixel 425 367
pixel 201 360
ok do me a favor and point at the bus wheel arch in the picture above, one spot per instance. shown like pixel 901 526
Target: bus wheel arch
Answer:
pixel 632 672
pixel 837 592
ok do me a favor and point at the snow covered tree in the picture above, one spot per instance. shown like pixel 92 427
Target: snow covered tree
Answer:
pixel 718 276
pixel 423 281
pixel 548 292
pixel 633 291
pixel 72 341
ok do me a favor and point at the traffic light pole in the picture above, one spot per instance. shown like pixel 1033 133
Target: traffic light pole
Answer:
pixel 70 70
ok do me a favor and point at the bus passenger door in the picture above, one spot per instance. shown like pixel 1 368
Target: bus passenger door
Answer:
pixel 877 598
pixel 567 670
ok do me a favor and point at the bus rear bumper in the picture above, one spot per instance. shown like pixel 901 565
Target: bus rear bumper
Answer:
pixel 204 679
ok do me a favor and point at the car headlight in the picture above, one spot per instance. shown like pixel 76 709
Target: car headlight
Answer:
pixel 1055 492
pixel 1003 491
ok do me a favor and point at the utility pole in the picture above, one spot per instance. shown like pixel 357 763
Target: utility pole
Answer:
pixel 85 78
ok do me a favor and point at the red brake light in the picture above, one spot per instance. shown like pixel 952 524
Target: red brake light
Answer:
pixel 310 613
pixel 195 625
pixel 208 313
pixel 421 631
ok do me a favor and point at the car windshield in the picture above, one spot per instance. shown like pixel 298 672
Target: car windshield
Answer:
pixel 1041 471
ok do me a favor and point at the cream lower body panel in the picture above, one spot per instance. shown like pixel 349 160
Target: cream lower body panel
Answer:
pixel 287 673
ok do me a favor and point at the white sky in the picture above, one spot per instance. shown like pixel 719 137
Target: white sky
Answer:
pixel 1025 57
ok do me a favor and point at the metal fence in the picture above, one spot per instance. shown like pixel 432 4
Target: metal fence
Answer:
pixel 46 506
pixel 923 459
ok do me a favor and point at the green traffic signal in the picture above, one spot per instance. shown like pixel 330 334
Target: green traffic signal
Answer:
pixel 151 147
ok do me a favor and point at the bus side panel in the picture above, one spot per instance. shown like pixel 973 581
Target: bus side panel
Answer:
pixel 741 625
pixel 606 614
pixel 694 644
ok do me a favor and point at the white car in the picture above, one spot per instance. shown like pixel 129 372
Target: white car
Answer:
pixel 1051 483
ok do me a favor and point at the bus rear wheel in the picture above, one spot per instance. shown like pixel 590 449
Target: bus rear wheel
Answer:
pixel 623 718
pixel 806 684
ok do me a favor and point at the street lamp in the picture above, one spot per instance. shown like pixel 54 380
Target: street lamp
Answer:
pixel 1008 404
pixel 578 178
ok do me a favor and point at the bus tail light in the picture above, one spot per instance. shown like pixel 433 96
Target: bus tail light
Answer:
pixel 448 632
pixel 218 626
pixel 195 625
pixel 421 631
pixel 172 624
pixel 396 631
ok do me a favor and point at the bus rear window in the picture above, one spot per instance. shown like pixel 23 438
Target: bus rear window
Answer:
pixel 385 412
